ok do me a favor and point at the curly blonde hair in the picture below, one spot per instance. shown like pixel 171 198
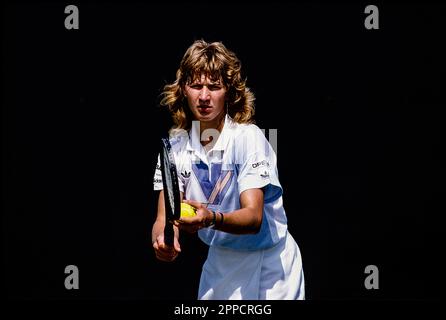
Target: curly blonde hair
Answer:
pixel 218 63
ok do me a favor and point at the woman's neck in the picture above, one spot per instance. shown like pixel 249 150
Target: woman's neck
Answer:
pixel 218 124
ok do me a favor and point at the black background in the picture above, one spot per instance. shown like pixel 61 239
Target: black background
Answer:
pixel 360 142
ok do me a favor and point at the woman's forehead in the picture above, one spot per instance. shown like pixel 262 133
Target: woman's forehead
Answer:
pixel 205 78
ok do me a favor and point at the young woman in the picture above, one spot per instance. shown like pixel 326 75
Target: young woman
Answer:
pixel 227 171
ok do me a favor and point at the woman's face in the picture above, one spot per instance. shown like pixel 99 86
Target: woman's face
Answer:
pixel 206 99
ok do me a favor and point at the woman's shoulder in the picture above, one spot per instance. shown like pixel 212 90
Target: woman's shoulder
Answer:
pixel 248 130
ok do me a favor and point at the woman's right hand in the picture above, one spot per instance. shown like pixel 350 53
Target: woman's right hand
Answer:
pixel 163 251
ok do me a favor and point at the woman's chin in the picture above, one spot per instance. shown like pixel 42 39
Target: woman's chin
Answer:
pixel 204 118
pixel 209 117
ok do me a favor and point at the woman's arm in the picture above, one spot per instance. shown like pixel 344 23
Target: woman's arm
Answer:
pixel 246 220
pixel 162 251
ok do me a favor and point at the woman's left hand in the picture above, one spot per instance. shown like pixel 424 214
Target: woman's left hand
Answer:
pixel 193 224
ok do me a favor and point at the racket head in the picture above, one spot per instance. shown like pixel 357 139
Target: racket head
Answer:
pixel 171 188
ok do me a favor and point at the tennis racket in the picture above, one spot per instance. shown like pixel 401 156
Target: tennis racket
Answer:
pixel 172 202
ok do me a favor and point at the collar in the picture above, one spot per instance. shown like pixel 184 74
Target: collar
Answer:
pixel 194 144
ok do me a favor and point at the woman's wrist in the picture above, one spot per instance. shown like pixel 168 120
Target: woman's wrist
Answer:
pixel 222 219
pixel 211 219
pixel 214 220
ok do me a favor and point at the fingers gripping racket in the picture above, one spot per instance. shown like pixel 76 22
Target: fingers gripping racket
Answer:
pixel 172 203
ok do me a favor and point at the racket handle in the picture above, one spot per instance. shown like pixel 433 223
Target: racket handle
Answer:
pixel 168 234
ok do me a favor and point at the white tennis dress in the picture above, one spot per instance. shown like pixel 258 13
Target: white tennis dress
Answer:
pixel 262 266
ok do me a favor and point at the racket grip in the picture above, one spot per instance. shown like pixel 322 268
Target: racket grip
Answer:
pixel 168 234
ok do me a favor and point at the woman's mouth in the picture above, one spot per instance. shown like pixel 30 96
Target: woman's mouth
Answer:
pixel 204 109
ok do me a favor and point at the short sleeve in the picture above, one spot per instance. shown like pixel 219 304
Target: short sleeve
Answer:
pixel 258 167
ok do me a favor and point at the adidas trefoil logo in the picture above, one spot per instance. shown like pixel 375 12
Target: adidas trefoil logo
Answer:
pixel 264 174
pixel 185 174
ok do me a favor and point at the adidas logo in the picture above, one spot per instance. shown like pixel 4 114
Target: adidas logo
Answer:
pixel 264 175
pixel 185 174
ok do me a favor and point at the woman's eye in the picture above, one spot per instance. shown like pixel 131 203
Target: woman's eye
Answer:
pixel 210 87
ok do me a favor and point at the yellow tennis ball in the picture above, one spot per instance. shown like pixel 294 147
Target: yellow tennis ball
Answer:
pixel 187 210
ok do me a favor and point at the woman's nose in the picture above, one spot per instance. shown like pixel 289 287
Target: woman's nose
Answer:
pixel 204 93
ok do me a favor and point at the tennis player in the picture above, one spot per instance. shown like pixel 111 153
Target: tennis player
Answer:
pixel 227 170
